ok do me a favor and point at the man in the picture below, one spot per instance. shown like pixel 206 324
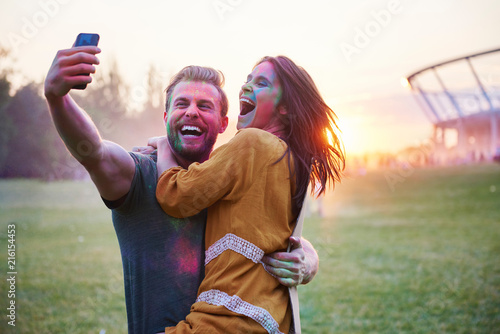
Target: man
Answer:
pixel 162 256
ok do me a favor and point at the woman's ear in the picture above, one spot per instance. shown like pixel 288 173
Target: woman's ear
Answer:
pixel 284 116
pixel 282 110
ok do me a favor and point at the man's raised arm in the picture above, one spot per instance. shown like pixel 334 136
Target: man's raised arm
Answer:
pixel 109 165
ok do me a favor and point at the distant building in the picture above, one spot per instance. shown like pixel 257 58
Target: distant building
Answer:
pixel 461 97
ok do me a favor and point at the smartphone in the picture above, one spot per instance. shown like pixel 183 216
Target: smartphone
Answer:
pixel 82 40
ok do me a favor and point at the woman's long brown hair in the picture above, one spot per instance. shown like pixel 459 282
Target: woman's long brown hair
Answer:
pixel 308 122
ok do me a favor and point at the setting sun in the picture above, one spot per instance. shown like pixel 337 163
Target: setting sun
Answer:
pixel 347 137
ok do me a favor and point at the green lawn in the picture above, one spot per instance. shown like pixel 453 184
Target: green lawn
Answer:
pixel 410 251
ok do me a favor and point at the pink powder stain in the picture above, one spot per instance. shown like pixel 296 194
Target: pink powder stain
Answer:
pixel 187 261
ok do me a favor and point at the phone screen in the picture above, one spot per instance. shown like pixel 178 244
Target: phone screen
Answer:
pixel 87 39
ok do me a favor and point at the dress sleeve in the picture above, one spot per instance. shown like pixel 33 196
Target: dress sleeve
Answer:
pixel 226 174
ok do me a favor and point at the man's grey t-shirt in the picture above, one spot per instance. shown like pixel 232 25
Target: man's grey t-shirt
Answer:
pixel 163 256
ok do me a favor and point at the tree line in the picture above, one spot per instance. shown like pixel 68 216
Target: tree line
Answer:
pixel 30 146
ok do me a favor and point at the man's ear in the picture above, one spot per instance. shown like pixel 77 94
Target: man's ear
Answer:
pixel 165 114
pixel 223 124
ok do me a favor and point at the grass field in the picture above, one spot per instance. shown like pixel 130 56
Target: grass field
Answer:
pixel 401 252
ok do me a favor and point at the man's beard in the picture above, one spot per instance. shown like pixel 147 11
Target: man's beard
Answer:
pixel 192 154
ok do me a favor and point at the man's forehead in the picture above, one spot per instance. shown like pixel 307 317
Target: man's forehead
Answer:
pixel 197 89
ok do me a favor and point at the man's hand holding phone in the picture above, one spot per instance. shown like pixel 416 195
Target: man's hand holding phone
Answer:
pixel 71 68
pixel 84 40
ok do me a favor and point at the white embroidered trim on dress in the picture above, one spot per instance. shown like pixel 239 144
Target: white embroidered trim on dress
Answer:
pixel 237 305
pixel 234 243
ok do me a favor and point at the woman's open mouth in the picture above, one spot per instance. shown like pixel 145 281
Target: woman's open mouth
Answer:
pixel 246 106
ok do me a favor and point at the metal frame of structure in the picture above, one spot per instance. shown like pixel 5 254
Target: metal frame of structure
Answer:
pixel 473 112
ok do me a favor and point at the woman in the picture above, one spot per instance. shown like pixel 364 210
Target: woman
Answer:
pixel 254 187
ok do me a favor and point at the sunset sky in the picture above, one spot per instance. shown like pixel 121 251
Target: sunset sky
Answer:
pixel 356 51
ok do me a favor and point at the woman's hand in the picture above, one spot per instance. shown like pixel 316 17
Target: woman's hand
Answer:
pixel 166 158
pixel 294 268
pixel 152 145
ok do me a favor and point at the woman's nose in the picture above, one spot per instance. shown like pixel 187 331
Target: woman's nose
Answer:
pixel 246 87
